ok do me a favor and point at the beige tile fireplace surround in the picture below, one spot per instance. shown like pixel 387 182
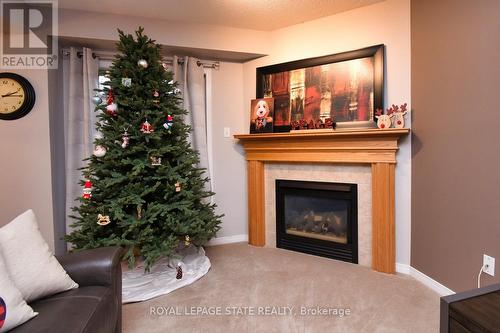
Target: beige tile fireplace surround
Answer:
pixel 339 173
pixel 366 157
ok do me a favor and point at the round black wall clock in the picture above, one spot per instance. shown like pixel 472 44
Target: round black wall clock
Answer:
pixel 17 96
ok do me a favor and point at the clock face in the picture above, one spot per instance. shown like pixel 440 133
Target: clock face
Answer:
pixel 12 95
pixel 17 96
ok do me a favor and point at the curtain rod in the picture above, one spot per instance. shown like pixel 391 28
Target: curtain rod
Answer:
pixel 110 56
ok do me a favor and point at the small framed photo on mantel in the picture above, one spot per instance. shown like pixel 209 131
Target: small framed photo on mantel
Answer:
pixel 261 115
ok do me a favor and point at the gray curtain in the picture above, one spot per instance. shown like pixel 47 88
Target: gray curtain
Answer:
pixel 191 82
pixel 81 77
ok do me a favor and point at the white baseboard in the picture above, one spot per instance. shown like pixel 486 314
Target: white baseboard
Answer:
pixel 228 240
pixel 442 290
pixel 403 268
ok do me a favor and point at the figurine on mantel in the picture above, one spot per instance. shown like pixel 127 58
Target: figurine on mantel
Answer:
pixel 394 117
pixel 399 115
pixel 383 120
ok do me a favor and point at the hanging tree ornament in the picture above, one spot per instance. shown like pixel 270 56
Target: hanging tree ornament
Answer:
pixel 103 219
pixel 164 65
pixel 147 128
pixel 177 187
pixel 169 123
pixel 139 212
pixel 87 190
pixel 126 81
pixel 155 160
pixel 125 139
pixel 111 108
pixel 156 100
pixel 96 99
pixel 99 151
pixel 142 63
pixel 179 271
pixel 187 240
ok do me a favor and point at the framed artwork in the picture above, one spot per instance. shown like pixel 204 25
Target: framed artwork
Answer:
pixel 345 88
pixel 261 115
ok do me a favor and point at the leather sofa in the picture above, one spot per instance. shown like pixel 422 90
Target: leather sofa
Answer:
pixel 94 307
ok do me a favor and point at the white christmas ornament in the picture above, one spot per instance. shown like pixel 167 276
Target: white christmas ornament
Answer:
pixel 125 140
pixel 112 107
pixel 142 63
pixel 99 151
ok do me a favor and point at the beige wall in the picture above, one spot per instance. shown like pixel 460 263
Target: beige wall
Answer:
pixel 228 163
pixel 234 86
pixel 383 23
pixel 456 183
pixel 25 172
pixel 104 26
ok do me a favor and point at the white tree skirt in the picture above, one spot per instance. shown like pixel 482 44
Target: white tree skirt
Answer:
pixel 140 286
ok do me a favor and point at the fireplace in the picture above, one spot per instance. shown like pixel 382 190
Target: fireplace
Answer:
pixel 317 218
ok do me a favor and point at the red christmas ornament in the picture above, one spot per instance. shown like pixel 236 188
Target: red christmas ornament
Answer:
pixel 111 98
pixel 147 128
pixel 169 123
pixel 111 107
pixel 87 190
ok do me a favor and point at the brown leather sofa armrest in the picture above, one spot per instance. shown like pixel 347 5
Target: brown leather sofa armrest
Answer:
pixel 95 267
pixel 98 267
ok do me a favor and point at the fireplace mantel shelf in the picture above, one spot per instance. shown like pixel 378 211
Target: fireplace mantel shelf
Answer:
pixel 342 146
pixel 369 146
pixel 368 132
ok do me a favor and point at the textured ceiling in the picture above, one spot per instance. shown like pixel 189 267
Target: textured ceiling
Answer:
pixel 250 14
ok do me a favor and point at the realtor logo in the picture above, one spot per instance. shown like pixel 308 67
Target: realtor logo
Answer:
pixel 29 34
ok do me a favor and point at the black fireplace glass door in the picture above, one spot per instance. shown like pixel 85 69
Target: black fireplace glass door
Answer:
pixel 316 217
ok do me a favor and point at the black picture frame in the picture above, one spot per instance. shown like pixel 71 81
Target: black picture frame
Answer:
pixel 377 52
pixel 29 94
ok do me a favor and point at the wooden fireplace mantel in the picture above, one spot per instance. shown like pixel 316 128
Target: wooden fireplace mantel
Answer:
pixel 368 146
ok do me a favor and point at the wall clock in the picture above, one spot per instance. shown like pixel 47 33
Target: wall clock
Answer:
pixel 17 96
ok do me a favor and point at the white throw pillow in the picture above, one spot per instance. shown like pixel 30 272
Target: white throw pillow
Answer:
pixel 30 264
pixel 13 309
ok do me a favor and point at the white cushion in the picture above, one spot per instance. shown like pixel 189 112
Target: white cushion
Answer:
pixel 30 264
pixel 13 309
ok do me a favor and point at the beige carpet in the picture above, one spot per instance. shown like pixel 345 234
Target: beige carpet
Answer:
pixel 284 284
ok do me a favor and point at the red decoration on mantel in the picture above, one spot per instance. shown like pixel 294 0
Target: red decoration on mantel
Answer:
pixel 302 124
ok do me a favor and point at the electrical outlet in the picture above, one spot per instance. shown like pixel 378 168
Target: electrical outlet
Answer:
pixel 489 265
pixel 227 132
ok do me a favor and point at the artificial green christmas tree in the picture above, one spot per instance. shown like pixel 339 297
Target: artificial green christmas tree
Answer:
pixel 142 187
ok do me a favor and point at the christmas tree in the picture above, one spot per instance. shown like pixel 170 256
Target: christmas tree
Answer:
pixel 142 187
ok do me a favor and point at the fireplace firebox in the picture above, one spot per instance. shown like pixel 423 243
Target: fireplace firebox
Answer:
pixel 318 218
